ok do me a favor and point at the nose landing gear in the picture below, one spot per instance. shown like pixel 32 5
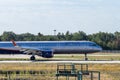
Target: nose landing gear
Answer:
pixel 86 58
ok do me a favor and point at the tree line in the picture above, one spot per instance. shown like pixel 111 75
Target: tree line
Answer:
pixel 108 41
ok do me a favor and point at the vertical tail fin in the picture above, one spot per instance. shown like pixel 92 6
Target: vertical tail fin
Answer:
pixel 14 43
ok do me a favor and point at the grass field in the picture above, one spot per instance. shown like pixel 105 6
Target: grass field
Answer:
pixel 48 71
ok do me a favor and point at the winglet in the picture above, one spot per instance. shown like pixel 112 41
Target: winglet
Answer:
pixel 14 43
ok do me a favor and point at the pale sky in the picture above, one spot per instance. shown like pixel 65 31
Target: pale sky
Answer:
pixel 90 16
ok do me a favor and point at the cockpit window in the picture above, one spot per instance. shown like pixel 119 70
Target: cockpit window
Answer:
pixel 92 44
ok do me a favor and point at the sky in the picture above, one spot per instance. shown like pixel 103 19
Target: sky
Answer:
pixel 45 16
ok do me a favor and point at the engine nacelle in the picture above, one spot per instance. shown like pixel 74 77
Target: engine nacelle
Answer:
pixel 47 54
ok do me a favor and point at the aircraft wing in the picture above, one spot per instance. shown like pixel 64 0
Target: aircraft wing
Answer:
pixel 27 50
pixel 46 53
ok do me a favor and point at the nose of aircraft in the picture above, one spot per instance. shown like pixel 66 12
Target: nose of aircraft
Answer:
pixel 100 48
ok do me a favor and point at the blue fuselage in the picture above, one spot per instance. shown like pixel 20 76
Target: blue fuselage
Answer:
pixel 54 46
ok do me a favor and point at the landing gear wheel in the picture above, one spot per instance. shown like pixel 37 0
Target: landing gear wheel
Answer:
pixel 32 58
pixel 86 59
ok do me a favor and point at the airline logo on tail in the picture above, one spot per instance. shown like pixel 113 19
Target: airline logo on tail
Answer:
pixel 14 43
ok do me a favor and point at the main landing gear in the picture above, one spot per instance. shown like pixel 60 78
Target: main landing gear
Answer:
pixel 32 57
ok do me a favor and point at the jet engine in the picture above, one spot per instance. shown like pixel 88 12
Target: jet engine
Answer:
pixel 47 54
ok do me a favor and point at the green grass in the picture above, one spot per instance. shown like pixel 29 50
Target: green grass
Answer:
pixel 48 71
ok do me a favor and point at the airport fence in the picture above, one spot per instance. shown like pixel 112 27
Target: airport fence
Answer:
pixel 38 76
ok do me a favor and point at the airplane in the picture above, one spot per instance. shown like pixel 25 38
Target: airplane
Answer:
pixel 47 49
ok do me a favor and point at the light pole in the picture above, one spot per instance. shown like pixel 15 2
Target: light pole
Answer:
pixel 54 32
